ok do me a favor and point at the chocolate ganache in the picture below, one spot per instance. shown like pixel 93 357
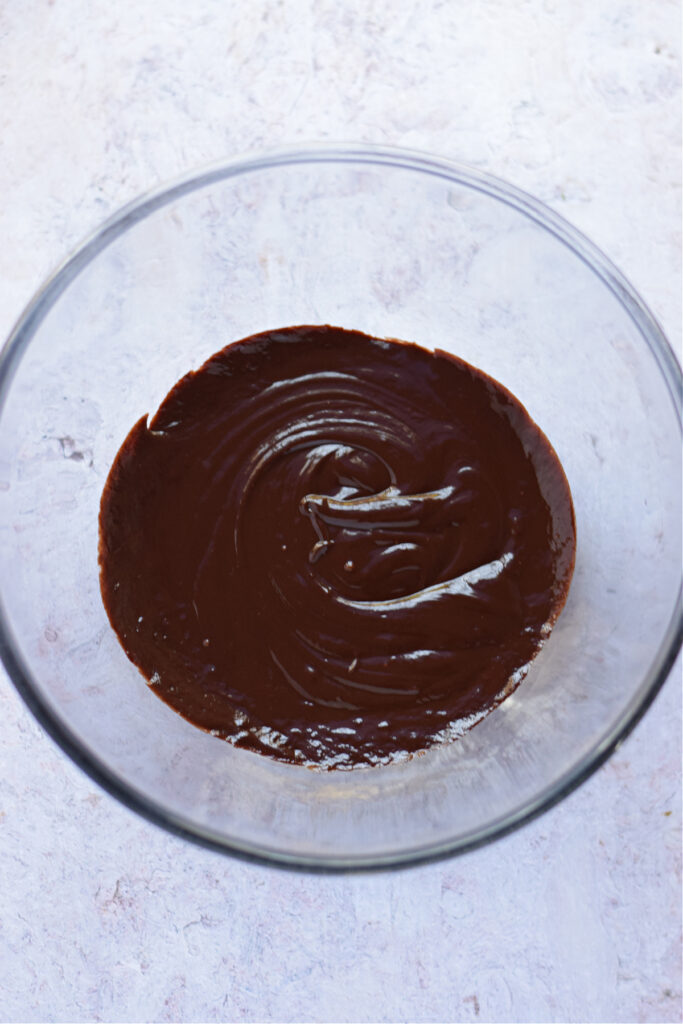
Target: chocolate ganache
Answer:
pixel 335 549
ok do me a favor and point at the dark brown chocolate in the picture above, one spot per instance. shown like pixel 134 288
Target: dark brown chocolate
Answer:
pixel 335 549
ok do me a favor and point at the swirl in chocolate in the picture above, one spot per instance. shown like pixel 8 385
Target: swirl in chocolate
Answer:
pixel 335 549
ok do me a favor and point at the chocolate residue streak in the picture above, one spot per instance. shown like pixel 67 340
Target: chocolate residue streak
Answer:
pixel 333 549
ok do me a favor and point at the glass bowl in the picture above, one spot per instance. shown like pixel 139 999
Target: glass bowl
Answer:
pixel 393 244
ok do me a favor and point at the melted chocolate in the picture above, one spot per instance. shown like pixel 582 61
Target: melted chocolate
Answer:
pixel 335 549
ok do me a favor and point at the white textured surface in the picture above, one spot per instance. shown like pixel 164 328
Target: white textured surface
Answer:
pixel 575 918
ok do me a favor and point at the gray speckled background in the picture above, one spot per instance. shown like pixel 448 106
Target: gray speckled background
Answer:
pixel 576 917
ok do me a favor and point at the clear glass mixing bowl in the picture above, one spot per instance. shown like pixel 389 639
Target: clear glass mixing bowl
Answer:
pixel 393 244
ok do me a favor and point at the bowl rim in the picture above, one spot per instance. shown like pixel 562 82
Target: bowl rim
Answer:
pixel 374 155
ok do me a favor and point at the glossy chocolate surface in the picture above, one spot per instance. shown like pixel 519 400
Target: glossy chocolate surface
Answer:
pixel 335 549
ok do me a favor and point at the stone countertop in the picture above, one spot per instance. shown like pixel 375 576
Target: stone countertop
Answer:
pixel 577 916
